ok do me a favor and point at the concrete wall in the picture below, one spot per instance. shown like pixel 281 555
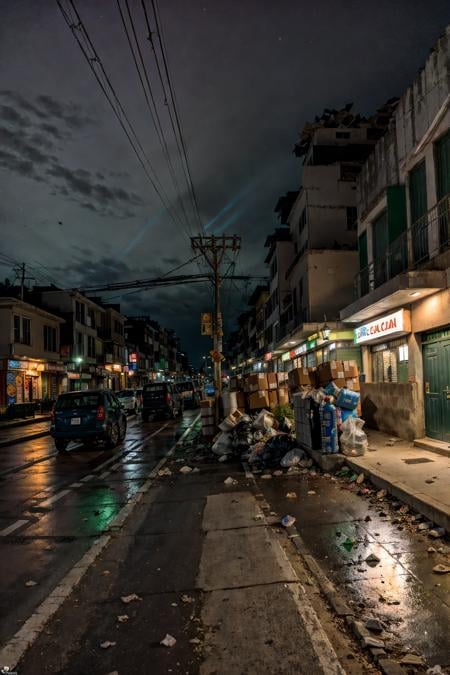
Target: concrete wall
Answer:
pixel 432 312
pixel 330 282
pixel 393 408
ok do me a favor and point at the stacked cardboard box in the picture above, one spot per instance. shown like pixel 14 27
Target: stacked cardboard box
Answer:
pixel 207 417
pixel 260 390
pixel 344 374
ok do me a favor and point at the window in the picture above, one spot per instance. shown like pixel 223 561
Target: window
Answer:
pixel 22 330
pixel 352 218
pixel 79 344
pixel 342 134
pixel 390 362
pixel 80 312
pixel 118 328
pixel 91 318
pixel 91 347
pixel 50 339
pixel 302 221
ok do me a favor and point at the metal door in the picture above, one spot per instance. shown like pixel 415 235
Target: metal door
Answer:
pixel 436 365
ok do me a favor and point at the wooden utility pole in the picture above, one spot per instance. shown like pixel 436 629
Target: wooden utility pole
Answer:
pixel 213 250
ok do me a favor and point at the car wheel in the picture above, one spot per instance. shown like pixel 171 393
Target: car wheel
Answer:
pixel 112 436
pixel 123 429
pixel 61 444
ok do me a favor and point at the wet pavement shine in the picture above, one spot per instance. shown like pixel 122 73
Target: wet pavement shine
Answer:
pixel 401 590
pixel 53 509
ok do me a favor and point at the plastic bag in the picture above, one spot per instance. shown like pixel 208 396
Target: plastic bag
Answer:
pixel 222 444
pixel 292 457
pixel 353 439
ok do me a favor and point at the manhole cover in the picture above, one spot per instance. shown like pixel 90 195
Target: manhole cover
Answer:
pixel 418 460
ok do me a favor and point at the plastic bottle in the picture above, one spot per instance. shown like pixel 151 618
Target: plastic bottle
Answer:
pixel 328 423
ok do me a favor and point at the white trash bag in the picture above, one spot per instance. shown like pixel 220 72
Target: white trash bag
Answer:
pixel 353 439
pixel 292 457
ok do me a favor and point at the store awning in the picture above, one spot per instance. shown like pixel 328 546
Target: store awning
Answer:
pixel 400 291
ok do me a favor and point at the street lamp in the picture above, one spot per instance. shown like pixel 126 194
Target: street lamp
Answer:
pixel 325 331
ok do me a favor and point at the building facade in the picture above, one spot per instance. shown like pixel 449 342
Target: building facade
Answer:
pixel 402 310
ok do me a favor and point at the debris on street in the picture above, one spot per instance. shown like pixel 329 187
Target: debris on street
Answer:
pixel 126 599
pixel 168 641
pixel 107 644
pixel 287 521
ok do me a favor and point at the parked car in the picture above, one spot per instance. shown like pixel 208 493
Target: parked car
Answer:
pixel 191 395
pixel 161 398
pixel 210 389
pixel 94 415
pixel 130 400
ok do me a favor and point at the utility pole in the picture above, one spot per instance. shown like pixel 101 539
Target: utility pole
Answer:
pixel 213 250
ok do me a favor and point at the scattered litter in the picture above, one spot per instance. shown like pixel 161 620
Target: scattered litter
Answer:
pixel 348 544
pixel 291 495
pixel 30 583
pixel 105 573
pixel 374 625
pixel 277 473
pixel 123 618
pixel 441 569
pixel 196 470
pixel 411 660
pixel 361 478
pixel 312 492
pixel 195 641
pixel 174 604
pixel 266 476
pixel 292 457
pixel 425 526
pixel 435 670
pixel 381 494
pixel 288 521
pixel 49 548
pixel 431 549
pixel 164 472
pixel 107 644
pixel 372 560
pixel 185 469
pixel 223 458
pixel 230 481
pixel 168 641
pixel 437 532
pixel 130 598
pixel 187 599
pixel 259 516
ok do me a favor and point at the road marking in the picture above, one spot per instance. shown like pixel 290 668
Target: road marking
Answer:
pixel 104 475
pixel 55 498
pixel 76 485
pixel 87 478
pixel 11 528
pixel 21 467
pixel 14 650
pixel 115 466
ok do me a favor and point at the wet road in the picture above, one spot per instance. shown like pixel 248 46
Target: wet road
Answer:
pixel 401 590
pixel 54 506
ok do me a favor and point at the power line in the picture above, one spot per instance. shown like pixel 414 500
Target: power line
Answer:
pixel 89 52
pixel 175 118
pixel 149 97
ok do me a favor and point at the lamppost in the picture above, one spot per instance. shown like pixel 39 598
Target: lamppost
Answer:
pixel 79 361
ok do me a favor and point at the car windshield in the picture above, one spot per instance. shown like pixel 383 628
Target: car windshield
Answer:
pixel 72 402
pixel 125 393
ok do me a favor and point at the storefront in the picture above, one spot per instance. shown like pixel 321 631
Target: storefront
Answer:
pixel 316 349
pixel 26 381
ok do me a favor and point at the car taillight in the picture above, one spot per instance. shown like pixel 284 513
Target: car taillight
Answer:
pixel 53 414
pixel 168 398
pixel 100 413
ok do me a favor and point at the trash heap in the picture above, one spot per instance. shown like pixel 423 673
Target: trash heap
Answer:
pixel 327 408
pixel 260 439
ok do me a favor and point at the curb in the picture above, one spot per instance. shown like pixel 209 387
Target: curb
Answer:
pixel 14 650
pixel 24 422
pixel 24 439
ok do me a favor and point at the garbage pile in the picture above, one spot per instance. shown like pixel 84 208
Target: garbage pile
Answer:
pixel 327 407
pixel 259 439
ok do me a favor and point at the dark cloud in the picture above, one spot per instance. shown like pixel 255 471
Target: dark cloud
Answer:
pixel 22 167
pixel 10 115
pixel 172 261
pixel 72 115
pixel 23 146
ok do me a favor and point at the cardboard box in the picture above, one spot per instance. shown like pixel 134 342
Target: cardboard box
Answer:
pixel 283 396
pixel 330 370
pixel 207 403
pixel 340 382
pixel 272 380
pixel 298 377
pixel 352 383
pixel 240 399
pixel 258 399
pixel 350 369
pixel 313 377
pixel 282 379
pixel 273 398
pixel 257 382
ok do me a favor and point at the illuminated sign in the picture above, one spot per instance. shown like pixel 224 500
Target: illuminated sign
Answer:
pixel 117 367
pixel 286 356
pixel 268 356
pixel 133 357
pixel 301 350
pixel 395 323
pixel 311 344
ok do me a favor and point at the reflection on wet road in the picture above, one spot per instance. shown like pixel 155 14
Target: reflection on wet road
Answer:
pixel 53 509
pixel 401 588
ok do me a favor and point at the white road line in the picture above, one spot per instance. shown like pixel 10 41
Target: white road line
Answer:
pixel 76 485
pixel 87 478
pixel 105 474
pixel 14 650
pixel 55 498
pixel 115 466
pixel 11 528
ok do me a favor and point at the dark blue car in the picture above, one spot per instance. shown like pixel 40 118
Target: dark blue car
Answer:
pixel 94 415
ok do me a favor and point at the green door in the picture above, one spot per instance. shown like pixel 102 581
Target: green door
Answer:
pixel 442 157
pixel 436 372
pixel 380 248
pixel 419 206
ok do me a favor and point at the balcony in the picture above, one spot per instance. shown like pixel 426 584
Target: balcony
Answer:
pixel 433 227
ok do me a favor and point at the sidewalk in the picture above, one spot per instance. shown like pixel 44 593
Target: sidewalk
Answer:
pixel 12 433
pixel 416 476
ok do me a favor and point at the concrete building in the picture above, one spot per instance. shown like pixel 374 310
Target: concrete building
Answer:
pixel 402 312
pixel 31 369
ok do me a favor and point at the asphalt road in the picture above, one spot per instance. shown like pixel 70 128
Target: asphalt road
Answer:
pixel 54 506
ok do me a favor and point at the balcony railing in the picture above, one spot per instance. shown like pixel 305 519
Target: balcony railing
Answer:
pixel 396 260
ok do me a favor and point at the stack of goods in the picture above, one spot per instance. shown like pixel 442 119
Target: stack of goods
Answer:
pixel 332 390
pixel 260 390
pixel 207 417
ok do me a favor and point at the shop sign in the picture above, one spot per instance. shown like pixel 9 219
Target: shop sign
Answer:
pixel 73 376
pixel 268 356
pixel 133 357
pixel 286 356
pixel 117 367
pixel 380 328
pixel 16 365
pixel 301 350
pixel 311 344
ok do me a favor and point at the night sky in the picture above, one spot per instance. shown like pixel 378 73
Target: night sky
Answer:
pixel 247 76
